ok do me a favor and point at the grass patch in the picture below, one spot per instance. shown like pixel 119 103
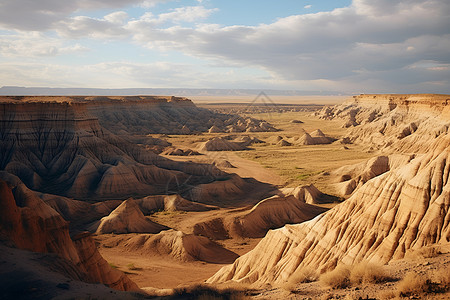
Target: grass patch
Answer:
pixel 344 276
pixel 411 284
pixel 368 273
pixel 339 278
pixel 303 275
pixel 205 292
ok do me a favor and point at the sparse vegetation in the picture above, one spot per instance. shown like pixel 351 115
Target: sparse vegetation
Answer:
pixel 411 284
pixel 368 273
pixel 425 252
pixel 205 292
pixel 302 275
pixel 339 278
pixel 344 276
pixel 112 265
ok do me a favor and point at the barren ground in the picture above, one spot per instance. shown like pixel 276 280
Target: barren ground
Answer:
pixel 281 166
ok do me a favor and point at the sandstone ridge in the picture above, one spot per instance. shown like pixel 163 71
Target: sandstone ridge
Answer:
pixel 400 202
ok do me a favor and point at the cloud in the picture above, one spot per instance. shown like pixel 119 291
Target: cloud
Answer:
pixel 382 43
pixel 81 26
pixel 128 74
pixel 186 14
pixel 336 45
pixel 43 14
pixel 307 6
pixel 29 45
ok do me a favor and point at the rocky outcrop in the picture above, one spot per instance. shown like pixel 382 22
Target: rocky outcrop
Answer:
pixel 151 204
pixel 306 193
pixel 181 246
pixel 26 222
pixel 97 268
pixel 231 190
pixel 32 225
pixel 142 115
pixel 61 149
pixel 270 213
pixel 127 218
pixel 404 208
pixel 179 152
pixel 316 137
pixel 397 123
pixel 348 178
pixel 79 213
pixel 221 144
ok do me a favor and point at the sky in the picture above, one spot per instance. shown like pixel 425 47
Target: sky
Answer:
pixel 359 46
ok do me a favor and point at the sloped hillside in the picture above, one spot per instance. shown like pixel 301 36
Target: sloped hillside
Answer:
pixel 59 147
pixel 406 207
pixel 26 222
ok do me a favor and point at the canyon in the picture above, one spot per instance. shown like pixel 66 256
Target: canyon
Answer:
pixel 135 191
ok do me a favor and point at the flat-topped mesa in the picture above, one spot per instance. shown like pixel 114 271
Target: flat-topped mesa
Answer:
pixel 437 104
pixel 144 115
pixel 58 146
pixel 95 99
pixel 400 123
pixel 18 118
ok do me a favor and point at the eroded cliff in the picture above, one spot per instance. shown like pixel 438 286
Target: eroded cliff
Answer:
pixel 400 203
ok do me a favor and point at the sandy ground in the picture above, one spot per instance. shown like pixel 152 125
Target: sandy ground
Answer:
pixel 163 272
pixel 247 168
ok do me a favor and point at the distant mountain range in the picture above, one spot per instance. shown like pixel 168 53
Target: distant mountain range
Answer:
pixel 18 90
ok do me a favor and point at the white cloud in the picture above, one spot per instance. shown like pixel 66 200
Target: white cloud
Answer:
pixel 41 15
pixel 152 3
pixel 116 17
pixel 368 43
pixel 81 26
pixel 29 45
pixel 329 45
pixel 307 6
pixel 186 14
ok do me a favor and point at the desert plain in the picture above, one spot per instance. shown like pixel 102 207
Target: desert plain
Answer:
pixel 164 197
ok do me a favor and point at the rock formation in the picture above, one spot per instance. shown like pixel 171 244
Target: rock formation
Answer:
pixel 183 247
pixel 26 222
pixel 60 148
pixel 221 144
pixel 142 115
pixel 268 214
pixel 306 193
pixel 151 204
pixel 398 123
pixel 349 178
pixel 406 207
pixel 179 152
pixel 127 218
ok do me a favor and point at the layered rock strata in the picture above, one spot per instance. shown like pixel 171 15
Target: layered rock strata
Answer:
pixel 406 207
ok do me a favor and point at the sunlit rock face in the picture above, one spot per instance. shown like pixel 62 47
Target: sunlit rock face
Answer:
pixel 26 222
pixel 401 203
pixel 61 148
pixel 401 123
